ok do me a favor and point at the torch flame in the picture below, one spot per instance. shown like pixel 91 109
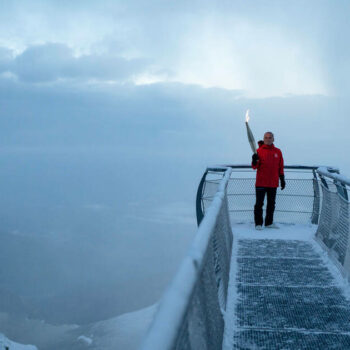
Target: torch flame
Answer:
pixel 247 117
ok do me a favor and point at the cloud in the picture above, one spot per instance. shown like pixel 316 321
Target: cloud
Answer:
pixel 265 48
pixel 6 58
pixel 174 213
pixel 53 61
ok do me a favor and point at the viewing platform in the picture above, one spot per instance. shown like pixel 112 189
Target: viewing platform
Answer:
pixel 239 288
pixel 283 293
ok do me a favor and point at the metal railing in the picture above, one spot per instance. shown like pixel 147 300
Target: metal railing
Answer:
pixel 299 202
pixel 190 315
pixel 333 229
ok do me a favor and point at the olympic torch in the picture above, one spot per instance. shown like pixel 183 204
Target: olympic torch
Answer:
pixel 249 133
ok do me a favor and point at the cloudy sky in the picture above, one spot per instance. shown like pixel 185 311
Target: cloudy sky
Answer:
pixel 261 48
pixel 111 110
pixel 159 65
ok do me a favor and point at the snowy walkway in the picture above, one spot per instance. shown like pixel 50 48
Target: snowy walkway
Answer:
pixel 283 293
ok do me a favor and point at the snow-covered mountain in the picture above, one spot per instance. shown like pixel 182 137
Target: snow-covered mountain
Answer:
pixel 122 332
pixel 7 344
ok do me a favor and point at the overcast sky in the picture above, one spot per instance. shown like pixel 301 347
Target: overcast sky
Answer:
pixel 262 48
pixel 151 64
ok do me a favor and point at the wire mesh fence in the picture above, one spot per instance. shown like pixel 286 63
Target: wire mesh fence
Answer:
pixel 313 195
pixel 190 315
pixel 297 203
pixel 334 226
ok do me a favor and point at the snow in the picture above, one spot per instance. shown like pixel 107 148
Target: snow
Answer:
pixel 298 232
pixel 174 303
pixel 285 232
pixel 123 332
pixel 230 322
pixel 324 171
pixel 85 340
pixel 11 345
pixel 335 270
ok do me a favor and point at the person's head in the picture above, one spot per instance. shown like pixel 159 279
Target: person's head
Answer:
pixel 268 138
pixel 260 143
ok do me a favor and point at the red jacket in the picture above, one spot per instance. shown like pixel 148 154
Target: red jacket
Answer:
pixel 269 166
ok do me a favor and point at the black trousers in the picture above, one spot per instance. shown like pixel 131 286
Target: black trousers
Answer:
pixel 258 208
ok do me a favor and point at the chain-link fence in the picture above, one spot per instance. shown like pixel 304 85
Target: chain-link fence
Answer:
pixel 190 316
pixel 297 203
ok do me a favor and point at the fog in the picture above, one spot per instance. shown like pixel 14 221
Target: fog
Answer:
pixel 93 200
pixel 106 129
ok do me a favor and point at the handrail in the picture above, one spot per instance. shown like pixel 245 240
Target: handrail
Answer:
pixel 191 312
pixel 325 172
pixel 294 167
pixel 174 305
pixel 333 232
pixel 222 168
pixel 199 210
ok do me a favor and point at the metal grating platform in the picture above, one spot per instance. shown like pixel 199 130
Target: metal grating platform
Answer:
pixel 287 298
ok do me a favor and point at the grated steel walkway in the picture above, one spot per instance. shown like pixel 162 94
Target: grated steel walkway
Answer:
pixel 287 298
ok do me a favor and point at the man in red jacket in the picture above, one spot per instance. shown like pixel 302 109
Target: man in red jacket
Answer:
pixel 269 164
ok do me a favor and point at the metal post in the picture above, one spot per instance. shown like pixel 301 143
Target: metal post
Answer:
pixel 341 188
pixel 199 209
pixel 316 203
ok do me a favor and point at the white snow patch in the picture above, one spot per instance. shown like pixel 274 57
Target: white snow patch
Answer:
pixel 123 332
pixel 230 321
pixel 298 232
pixel 11 345
pixel 85 340
pixel 335 270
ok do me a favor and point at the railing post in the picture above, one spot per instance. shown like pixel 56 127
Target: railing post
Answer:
pixel 324 182
pixel 341 188
pixel 316 203
pixel 199 208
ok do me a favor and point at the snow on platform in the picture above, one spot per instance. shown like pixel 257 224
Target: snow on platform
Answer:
pixel 283 293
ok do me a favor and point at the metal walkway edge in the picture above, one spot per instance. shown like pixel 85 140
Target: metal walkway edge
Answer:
pixel 287 298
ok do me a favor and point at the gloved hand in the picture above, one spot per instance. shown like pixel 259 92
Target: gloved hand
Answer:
pixel 255 159
pixel 283 182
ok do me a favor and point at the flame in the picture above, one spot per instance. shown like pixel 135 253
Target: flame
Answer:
pixel 247 117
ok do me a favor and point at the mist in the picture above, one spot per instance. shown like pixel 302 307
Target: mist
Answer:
pixel 106 128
